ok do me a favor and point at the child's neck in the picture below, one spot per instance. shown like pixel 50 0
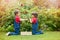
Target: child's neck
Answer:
pixel 17 15
pixel 34 17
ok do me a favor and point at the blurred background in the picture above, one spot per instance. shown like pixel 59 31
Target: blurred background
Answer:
pixel 48 14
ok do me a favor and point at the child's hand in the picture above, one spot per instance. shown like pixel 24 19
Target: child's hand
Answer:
pixel 23 19
pixel 30 21
pixel 26 19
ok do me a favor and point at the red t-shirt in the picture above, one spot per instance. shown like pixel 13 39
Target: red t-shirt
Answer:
pixel 17 19
pixel 34 20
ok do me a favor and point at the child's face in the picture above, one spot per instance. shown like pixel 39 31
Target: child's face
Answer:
pixel 18 14
pixel 32 16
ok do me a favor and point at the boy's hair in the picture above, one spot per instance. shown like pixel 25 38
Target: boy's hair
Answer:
pixel 16 12
pixel 35 14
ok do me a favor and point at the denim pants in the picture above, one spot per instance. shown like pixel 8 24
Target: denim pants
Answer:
pixel 16 29
pixel 35 28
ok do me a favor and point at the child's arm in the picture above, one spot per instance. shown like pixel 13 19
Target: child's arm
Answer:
pixel 33 20
pixel 30 20
pixel 23 19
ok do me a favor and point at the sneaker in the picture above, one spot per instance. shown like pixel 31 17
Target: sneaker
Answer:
pixel 8 33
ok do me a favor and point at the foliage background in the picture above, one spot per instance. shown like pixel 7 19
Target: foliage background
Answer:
pixel 49 18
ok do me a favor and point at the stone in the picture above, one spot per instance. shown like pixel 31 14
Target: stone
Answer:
pixel 26 33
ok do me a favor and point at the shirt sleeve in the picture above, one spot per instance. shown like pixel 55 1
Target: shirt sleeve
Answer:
pixel 34 20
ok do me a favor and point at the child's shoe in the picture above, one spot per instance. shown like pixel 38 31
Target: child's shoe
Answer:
pixel 8 34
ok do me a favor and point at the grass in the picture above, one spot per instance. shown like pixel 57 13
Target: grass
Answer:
pixel 45 36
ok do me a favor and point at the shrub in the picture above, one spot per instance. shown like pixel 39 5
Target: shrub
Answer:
pixel 47 18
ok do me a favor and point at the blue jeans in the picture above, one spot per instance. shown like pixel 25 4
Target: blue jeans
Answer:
pixel 16 28
pixel 35 32
pixel 35 28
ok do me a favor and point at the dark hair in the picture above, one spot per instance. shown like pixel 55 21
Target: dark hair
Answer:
pixel 35 14
pixel 16 12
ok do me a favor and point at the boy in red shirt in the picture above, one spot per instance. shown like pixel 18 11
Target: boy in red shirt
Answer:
pixel 16 25
pixel 17 22
pixel 34 22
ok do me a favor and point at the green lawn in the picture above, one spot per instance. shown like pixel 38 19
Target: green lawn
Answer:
pixel 45 36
